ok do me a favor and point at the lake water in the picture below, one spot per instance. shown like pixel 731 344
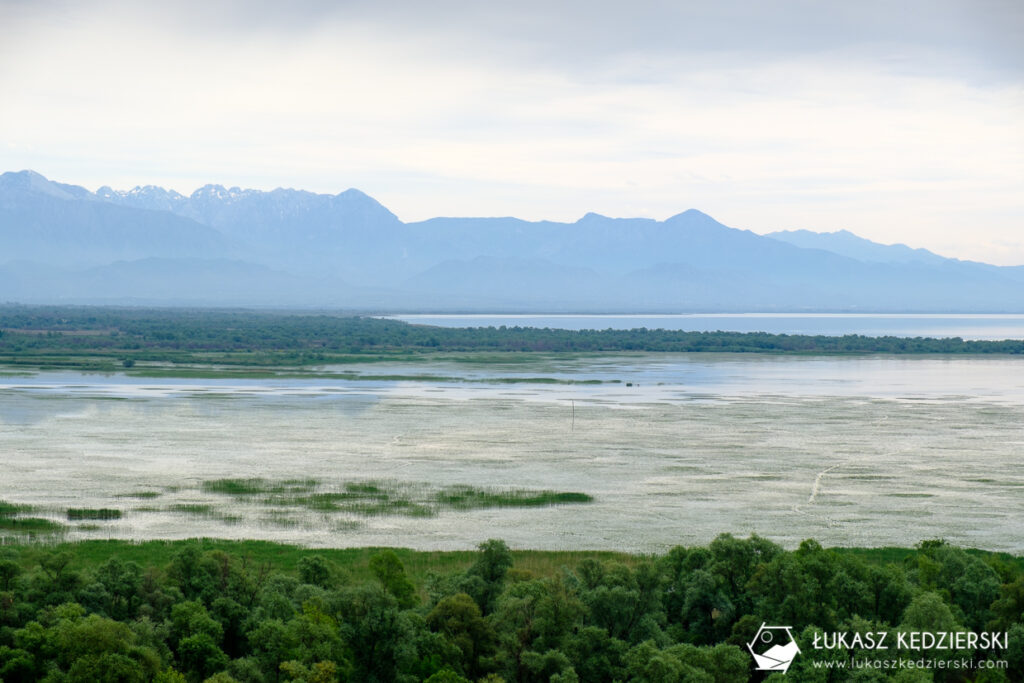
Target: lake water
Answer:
pixel 966 326
pixel 675 449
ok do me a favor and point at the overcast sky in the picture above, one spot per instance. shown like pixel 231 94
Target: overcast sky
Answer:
pixel 900 121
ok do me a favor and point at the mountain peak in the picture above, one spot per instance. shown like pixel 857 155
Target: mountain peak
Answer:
pixel 692 219
pixel 29 175
pixel 691 215
pixel 30 181
pixel 354 193
pixel 590 217
pixel 209 191
pixel 357 199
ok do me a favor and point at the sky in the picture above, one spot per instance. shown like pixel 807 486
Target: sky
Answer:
pixel 901 121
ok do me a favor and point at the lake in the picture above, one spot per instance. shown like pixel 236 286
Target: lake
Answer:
pixel 674 449
pixel 966 326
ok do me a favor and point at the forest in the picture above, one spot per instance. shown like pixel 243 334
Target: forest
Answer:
pixel 106 338
pixel 248 611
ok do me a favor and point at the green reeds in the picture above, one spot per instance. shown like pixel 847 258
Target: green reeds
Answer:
pixel 93 513
pixel 11 520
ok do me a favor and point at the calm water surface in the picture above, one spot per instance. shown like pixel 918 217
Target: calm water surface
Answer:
pixel 673 448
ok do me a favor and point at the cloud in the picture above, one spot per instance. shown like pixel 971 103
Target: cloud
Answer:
pixel 899 124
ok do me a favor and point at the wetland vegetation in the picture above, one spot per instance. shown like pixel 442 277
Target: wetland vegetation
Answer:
pixel 287 503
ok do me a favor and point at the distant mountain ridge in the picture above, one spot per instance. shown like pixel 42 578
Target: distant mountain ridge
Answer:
pixel 233 246
pixel 845 243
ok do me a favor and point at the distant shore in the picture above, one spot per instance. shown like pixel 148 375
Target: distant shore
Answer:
pixel 170 340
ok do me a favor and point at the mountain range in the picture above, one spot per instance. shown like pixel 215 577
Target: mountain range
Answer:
pixel 62 243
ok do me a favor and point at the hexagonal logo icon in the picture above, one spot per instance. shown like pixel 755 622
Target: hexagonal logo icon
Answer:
pixel 773 647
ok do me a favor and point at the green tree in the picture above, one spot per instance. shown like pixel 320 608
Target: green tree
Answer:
pixel 485 579
pixel 272 644
pixel 645 663
pixel 316 571
pixel 706 614
pixel 190 618
pixel 1008 608
pixel 389 570
pixel 378 637
pixel 595 655
pixel 626 603
pixel 724 663
pixel 9 572
pixel 447 676
pixel 200 656
pixel 319 672
pixel 460 620
pixel 17 665
pixel 316 636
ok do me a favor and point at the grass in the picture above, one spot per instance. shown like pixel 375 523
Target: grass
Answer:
pixel 93 513
pixel 281 498
pixel 198 509
pixel 419 565
pixel 469 498
pixel 282 518
pixel 258 486
pixel 13 509
pixel 30 525
pixel 376 498
pixel 11 520
pixel 203 510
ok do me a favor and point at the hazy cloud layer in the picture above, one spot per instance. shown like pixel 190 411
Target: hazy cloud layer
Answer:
pixel 899 121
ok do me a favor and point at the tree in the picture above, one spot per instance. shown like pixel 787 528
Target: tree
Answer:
pixel 627 603
pixel 320 672
pixel 316 571
pixel 645 663
pixel 725 663
pixel 9 571
pixel 316 636
pixel 390 572
pixel 1009 606
pixel 272 644
pixel 459 619
pixel 190 618
pixel 200 656
pixel 378 637
pixel 447 676
pixel 121 581
pixel 706 613
pixel 596 656
pixel 485 579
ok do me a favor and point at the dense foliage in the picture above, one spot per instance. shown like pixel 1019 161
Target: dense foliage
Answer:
pixel 203 614
pixel 64 335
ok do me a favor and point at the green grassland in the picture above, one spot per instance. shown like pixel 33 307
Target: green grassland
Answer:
pixel 354 562
pixel 419 564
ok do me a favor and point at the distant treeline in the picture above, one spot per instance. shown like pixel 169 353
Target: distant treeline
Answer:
pixel 257 612
pixel 308 338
